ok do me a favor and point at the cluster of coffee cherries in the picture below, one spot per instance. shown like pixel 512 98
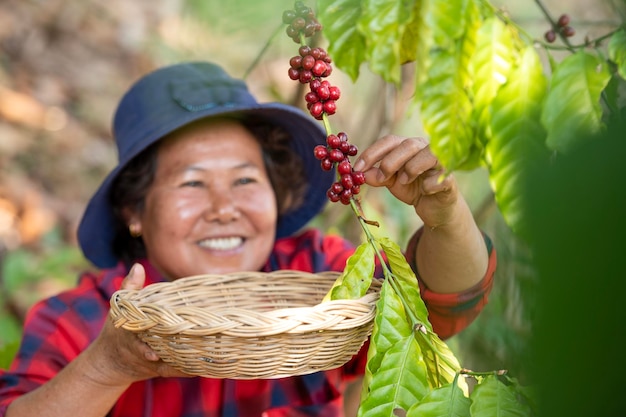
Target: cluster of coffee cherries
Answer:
pixel 338 151
pixel 309 67
pixel 563 27
pixel 301 20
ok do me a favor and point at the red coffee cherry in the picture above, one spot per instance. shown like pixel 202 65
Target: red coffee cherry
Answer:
pixel 563 20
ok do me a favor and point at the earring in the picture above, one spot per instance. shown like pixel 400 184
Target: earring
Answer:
pixel 134 231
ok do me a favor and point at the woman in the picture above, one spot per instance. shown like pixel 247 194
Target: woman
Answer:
pixel 210 181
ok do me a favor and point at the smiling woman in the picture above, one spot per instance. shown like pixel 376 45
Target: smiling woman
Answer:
pixel 283 167
pixel 211 205
pixel 211 181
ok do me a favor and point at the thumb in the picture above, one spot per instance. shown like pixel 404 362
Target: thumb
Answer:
pixel 135 278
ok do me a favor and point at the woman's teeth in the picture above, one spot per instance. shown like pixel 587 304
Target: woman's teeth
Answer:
pixel 225 243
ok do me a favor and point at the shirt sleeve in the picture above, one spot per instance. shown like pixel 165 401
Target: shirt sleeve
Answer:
pixel 452 312
pixel 55 332
pixel 448 313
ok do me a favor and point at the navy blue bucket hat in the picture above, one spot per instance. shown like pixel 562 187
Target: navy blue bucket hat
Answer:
pixel 173 96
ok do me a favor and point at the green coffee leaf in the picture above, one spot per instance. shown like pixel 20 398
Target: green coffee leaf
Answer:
pixel 524 394
pixel 447 400
pixel 399 383
pixel 490 66
pixel 390 326
pixel 572 108
pixel 447 18
pixel 345 43
pixel 446 107
pixel 416 36
pixel 356 277
pixel 416 43
pixel 382 22
pixel 613 97
pixel 493 398
pixel 406 279
pixel 440 361
pixel 617 51
pixel 517 136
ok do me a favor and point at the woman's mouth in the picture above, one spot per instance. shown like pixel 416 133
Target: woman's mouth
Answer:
pixel 222 243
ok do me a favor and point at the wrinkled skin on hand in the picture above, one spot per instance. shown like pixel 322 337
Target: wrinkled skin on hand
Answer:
pixel 408 168
pixel 120 355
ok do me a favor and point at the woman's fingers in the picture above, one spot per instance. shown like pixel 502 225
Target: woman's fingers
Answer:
pixel 396 156
pixel 371 155
pixel 135 279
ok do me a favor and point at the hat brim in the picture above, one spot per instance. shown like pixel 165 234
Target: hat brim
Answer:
pixel 96 230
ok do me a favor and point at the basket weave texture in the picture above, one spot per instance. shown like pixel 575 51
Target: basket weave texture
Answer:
pixel 248 325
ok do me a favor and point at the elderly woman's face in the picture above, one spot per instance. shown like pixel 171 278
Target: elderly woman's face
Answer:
pixel 211 207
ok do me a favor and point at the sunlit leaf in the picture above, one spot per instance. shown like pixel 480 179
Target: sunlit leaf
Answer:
pixel 613 96
pixel 345 43
pixel 416 36
pixel 382 23
pixel 446 110
pixel 617 51
pixel 399 382
pixel 517 137
pixel 447 401
pixel 446 106
pixel 406 279
pixel 572 108
pixel 356 277
pixel 416 43
pixel 490 65
pixel 440 361
pixel 493 398
pixel 447 19
pixel 390 326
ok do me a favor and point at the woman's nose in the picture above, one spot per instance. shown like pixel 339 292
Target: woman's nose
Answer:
pixel 222 208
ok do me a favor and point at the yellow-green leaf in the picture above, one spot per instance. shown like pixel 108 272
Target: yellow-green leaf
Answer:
pixel 617 51
pixel 414 43
pixel 399 383
pixel 390 326
pixel 356 277
pixel 491 398
pixel 447 400
pixel 382 23
pixel 441 363
pixel 447 18
pixel 490 67
pixel 417 42
pixel 572 108
pixel 517 137
pixel 446 106
pixel 346 44
pixel 407 281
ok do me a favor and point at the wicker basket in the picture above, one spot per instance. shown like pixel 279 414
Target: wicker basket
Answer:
pixel 248 325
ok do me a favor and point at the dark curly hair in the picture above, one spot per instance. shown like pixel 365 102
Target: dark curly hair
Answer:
pixel 283 165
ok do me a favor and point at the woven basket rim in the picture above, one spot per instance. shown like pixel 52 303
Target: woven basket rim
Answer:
pixel 197 324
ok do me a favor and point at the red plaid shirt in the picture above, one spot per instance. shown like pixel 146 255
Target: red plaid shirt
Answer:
pixel 59 328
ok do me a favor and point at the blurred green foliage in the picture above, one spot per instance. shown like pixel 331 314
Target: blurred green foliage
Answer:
pixel 577 205
pixel 29 274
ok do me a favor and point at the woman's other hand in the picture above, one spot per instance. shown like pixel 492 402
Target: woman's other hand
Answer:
pixel 121 357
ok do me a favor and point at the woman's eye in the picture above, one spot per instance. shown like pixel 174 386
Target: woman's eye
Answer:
pixel 245 180
pixel 192 184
